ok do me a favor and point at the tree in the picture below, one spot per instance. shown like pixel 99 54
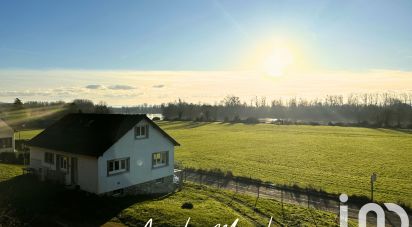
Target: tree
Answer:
pixel 18 102
pixel 102 108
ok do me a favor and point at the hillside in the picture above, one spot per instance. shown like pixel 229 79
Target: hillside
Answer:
pixel 25 200
pixel 335 159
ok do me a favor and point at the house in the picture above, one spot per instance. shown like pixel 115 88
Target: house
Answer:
pixel 6 138
pixel 105 154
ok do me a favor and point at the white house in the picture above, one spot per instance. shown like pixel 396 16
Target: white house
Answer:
pixel 106 153
pixel 6 138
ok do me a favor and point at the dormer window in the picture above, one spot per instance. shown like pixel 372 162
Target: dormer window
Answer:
pixel 141 131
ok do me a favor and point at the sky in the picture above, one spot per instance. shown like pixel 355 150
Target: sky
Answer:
pixel 134 52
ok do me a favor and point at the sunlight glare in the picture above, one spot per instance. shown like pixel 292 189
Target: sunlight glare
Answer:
pixel 274 57
pixel 277 62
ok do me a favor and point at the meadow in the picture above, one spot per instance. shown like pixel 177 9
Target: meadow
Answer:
pixel 334 159
pixel 26 200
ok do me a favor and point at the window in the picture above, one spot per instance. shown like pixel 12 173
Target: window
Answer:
pixel 62 162
pixel 160 159
pixel 141 131
pixel 117 166
pixel 49 158
pixel 6 142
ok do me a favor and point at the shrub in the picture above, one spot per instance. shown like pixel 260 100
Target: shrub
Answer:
pixel 8 157
pixel 156 119
pixel 187 205
pixel 236 119
pixel 14 158
pixel 251 120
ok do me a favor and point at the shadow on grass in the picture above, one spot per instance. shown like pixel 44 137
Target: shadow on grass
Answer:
pixel 394 130
pixel 187 125
pixel 26 201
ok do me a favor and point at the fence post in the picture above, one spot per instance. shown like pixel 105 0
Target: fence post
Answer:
pixel 281 199
pixel 258 193
pixel 181 174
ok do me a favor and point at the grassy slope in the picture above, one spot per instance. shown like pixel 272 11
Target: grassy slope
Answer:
pixel 42 204
pixel 27 134
pixel 9 171
pixel 336 159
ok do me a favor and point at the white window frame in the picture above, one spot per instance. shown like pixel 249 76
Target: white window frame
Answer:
pixel 160 159
pixel 141 131
pixel 64 161
pixel 122 164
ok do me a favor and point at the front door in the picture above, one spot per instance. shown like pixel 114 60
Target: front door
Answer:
pixel 73 171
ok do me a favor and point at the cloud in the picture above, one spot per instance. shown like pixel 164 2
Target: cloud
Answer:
pixel 155 87
pixel 158 86
pixel 121 87
pixel 94 86
pixel 111 87
pixel 26 93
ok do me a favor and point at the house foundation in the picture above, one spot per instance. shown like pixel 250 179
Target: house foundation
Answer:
pixel 159 186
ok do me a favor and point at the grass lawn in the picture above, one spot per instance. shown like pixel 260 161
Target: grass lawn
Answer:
pixel 25 200
pixel 335 159
pixel 9 171
pixel 27 134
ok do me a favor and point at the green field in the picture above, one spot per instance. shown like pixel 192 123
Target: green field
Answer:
pixel 335 159
pixel 27 134
pixel 26 200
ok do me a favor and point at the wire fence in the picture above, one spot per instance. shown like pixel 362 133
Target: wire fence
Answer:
pixel 308 199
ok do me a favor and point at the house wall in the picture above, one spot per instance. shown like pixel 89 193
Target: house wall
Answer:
pixel 6 132
pixel 140 153
pixel 86 167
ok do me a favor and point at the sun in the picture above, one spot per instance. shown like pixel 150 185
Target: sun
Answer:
pixel 277 62
pixel 274 57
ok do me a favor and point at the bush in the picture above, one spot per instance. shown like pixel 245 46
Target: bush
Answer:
pixel 8 157
pixel 156 119
pixel 14 158
pixel 187 205
pixel 313 123
pixel 251 120
pixel 236 119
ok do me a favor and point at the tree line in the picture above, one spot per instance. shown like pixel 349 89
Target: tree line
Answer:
pixel 33 114
pixel 367 110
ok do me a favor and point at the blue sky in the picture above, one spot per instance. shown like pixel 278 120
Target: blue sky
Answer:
pixel 201 35
pixel 160 51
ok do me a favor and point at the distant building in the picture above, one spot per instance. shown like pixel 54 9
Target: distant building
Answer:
pixel 6 138
pixel 106 154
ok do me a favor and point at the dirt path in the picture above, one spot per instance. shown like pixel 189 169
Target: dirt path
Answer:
pixel 297 198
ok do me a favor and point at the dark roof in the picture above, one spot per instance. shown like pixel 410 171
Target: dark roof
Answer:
pixel 89 134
